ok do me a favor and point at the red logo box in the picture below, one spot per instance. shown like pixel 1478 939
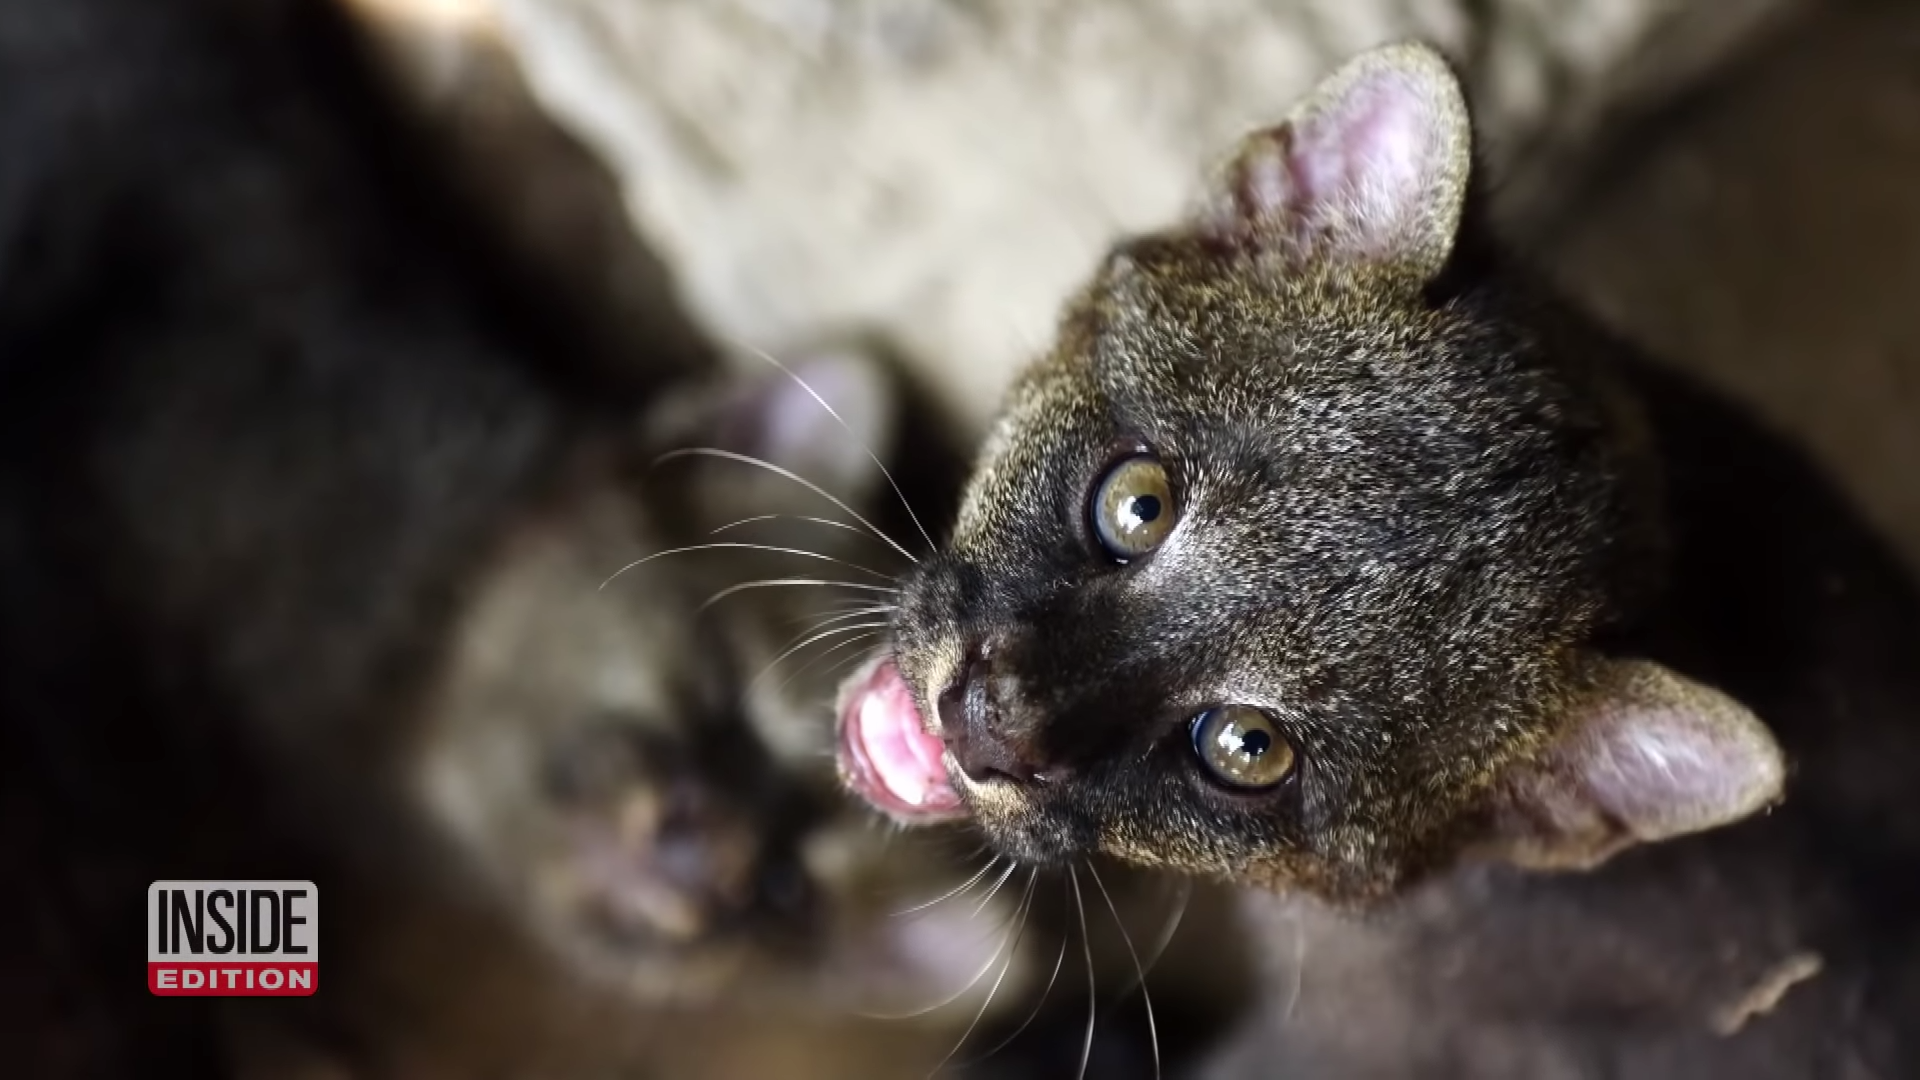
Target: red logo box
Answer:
pixel 233 938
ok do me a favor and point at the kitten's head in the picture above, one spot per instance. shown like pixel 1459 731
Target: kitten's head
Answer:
pixel 589 756
pixel 591 748
pixel 1289 562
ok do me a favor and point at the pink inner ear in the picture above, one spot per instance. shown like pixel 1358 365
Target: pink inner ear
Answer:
pixel 1370 148
pixel 1361 169
pixel 782 421
pixel 794 424
pixel 1663 771
pixel 1638 769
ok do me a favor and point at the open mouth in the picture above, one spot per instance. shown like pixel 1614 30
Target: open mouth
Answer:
pixel 886 755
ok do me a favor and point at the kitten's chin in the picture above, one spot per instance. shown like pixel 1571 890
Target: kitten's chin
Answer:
pixel 886 755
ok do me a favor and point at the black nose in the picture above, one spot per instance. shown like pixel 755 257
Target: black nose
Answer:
pixel 975 722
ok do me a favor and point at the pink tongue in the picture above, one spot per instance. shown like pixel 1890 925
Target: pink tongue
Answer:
pixel 893 762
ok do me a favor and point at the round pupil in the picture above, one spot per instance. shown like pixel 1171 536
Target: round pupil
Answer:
pixel 1133 509
pixel 1241 746
pixel 1255 743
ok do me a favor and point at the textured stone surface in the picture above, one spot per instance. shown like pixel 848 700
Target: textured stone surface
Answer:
pixel 944 171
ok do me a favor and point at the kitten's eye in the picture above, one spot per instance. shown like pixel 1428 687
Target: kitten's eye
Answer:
pixel 1242 747
pixel 1132 509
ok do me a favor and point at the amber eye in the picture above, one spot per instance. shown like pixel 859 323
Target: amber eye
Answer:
pixel 1132 508
pixel 1242 747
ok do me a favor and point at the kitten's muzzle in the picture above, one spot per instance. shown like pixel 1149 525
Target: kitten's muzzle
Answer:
pixel 977 722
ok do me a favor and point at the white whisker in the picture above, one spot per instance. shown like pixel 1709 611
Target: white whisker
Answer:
pixel 811 639
pixel 871 456
pixel 824 621
pixel 777 583
pixel 1153 1031
pixel 1185 888
pixel 808 518
pixel 988 899
pixel 788 517
pixel 846 664
pixel 951 893
pixel 727 545
pixel 1026 902
pixel 1299 968
pixel 850 609
pixel 747 459
pixel 1059 961
pixel 1086 948
pixel 824 653
pixel 1005 943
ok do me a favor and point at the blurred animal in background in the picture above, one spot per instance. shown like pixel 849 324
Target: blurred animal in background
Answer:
pixel 315 487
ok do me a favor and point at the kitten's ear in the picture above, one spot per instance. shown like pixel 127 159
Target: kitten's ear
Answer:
pixel 1646 755
pixel 826 418
pixel 1372 167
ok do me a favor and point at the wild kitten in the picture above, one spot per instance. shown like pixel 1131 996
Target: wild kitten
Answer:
pixel 1327 552
pixel 305 499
